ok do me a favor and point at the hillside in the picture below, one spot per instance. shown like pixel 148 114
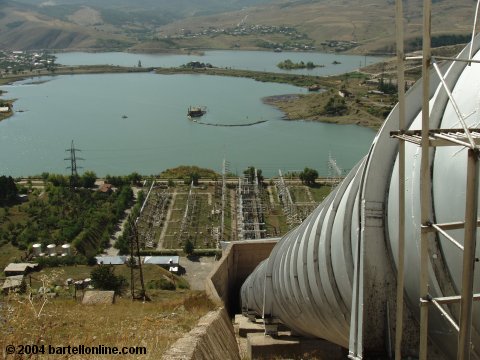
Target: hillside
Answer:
pixel 370 24
pixel 24 27
pixel 148 25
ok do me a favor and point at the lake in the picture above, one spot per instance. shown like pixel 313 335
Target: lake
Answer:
pixel 138 122
pixel 245 60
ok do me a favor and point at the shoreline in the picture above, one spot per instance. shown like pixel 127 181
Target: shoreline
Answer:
pixel 294 106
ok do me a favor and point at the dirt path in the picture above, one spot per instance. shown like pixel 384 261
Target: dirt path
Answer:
pixel 111 251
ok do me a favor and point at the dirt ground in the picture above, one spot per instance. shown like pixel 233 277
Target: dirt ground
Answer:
pixel 197 270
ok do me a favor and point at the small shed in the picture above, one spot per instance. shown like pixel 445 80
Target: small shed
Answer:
pixel 111 260
pixel 164 261
pixel 12 283
pixel 171 263
pixel 4 109
pixel 13 269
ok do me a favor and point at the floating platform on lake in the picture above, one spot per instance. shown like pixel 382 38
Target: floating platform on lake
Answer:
pixel 196 111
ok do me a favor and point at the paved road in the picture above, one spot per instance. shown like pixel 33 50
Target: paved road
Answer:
pixel 197 270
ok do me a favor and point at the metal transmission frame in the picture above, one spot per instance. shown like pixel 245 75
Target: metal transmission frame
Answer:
pixel 428 138
pixel 73 164
pixel 335 173
pixel 225 169
pixel 188 216
pixel 250 209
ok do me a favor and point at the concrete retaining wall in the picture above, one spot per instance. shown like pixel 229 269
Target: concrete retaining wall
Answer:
pixel 212 338
pixel 237 262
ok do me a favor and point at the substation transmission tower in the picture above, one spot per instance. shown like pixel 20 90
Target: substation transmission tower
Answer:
pixel 251 218
pixel 225 169
pixel 335 173
pixel 73 165
pixel 285 197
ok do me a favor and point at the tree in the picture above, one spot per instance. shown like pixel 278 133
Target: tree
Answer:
pixel 250 174
pixel 8 190
pixel 134 178
pixel 88 179
pixel 308 176
pixel 192 177
pixel 336 106
pixel 104 278
pixel 58 180
pixel 188 248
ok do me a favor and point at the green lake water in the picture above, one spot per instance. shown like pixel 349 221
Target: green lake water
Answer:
pixel 138 122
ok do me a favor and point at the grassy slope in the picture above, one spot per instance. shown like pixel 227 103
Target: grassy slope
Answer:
pixel 154 325
pixel 64 321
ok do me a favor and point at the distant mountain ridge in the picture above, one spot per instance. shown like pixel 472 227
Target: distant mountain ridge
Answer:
pixel 165 25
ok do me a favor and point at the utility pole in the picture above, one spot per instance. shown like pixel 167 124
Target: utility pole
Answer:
pixel 73 165
pixel 137 285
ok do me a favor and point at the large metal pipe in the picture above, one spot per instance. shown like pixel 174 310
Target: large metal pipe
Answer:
pixel 318 275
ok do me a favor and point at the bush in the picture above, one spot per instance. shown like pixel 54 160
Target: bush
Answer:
pixel 162 284
pixel 56 261
pixel 104 278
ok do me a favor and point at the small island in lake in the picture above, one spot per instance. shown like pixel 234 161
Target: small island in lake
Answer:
pixel 197 65
pixel 290 65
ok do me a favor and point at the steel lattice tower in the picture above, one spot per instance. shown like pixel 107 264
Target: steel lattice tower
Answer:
pixel 73 164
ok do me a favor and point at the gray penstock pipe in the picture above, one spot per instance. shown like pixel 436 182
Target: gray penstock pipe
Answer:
pixel 317 277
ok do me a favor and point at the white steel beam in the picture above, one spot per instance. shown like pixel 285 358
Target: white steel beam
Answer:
pixel 401 180
pixel 425 182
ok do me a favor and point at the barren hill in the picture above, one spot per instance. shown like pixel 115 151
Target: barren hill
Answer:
pixel 149 25
pixel 23 27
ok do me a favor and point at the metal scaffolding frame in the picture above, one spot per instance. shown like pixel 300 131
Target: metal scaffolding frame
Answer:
pixel 428 138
